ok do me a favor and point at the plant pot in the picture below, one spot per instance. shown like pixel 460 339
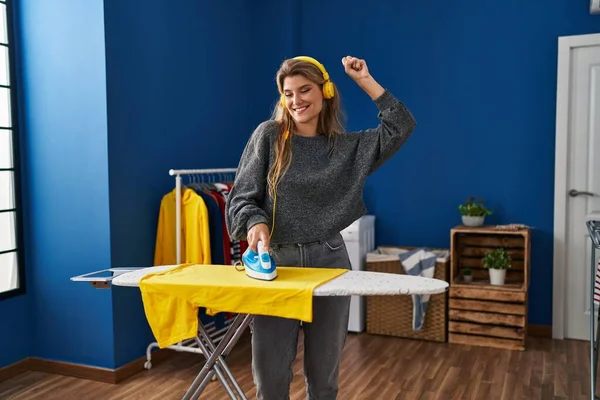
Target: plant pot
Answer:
pixel 468 278
pixel 497 276
pixel 472 221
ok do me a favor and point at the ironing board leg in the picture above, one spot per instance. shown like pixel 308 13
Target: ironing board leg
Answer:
pixel 231 337
pixel 217 370
pixel 220 359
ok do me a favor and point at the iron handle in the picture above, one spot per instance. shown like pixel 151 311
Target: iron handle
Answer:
pixel 575 193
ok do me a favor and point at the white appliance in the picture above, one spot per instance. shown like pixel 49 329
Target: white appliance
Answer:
pixel 360 240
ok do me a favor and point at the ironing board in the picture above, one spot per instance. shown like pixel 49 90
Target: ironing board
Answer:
pixel 360 283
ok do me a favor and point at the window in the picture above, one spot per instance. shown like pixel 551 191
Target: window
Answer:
pixel 12 270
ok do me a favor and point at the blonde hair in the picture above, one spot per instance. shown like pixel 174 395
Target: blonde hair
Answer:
pixel 329 124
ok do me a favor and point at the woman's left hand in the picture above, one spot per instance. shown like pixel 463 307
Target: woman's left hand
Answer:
pixel 355 68
pixel 358 71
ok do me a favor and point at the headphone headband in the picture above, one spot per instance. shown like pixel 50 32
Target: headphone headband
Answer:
pixel 316 63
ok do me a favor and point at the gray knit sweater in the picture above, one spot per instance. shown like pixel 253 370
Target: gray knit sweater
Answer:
pixel 321 193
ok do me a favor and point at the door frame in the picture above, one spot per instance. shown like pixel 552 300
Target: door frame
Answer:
pixel 565 45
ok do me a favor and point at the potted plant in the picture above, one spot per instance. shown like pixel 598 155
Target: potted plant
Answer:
pixel 473 212
pixel 497 262
pixel 467 274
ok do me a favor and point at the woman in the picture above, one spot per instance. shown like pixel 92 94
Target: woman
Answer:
pixel 299 184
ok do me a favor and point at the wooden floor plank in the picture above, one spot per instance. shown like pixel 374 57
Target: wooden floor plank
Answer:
pixel 373 367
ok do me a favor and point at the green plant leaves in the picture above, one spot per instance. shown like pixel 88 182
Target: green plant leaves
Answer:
pixel 474 207
pixel 497 259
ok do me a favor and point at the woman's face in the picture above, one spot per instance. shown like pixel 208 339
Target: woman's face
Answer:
pixel 303 97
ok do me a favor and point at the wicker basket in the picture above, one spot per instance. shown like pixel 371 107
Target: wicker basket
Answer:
pixel 393 315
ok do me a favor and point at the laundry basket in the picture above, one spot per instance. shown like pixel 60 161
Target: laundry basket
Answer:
pixel 393 315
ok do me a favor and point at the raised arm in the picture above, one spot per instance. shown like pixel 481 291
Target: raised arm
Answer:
pixel 243 207
pixel 397 123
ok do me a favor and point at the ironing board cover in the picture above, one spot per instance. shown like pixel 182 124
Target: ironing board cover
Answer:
pixel 361 283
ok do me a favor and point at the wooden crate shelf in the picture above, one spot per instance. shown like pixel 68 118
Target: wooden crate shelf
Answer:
pixel 481 314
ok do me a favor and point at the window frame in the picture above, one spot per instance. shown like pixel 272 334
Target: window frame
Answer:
pixel 12 85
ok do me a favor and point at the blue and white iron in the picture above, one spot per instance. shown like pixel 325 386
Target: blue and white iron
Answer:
pixel 259 265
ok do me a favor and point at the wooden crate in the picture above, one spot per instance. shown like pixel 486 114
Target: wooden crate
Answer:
pixel 482 314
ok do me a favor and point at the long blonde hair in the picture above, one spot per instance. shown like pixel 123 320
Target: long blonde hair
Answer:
pixel 329 124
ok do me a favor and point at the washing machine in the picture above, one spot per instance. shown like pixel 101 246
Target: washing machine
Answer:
pixel 360 240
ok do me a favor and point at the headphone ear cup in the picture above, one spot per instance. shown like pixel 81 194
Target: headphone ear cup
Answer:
pixel 328 90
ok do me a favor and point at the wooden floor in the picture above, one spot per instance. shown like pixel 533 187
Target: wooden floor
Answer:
pixel 374 367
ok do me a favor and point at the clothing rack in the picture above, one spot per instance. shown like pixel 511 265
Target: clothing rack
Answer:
pixel 593 226
pixel 190 345
pixel 178 173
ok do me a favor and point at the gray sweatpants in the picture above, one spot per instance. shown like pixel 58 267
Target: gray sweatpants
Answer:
pixel 275 340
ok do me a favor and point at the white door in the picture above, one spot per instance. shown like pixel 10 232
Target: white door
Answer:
pixel 580 173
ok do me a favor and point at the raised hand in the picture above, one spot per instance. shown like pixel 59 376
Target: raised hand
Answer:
pixel 355 68
pixel 358 71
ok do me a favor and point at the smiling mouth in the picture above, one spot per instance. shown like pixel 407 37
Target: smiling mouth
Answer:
pixel 301 110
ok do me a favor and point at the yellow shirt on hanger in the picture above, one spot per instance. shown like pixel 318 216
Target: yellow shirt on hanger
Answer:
pixel 171 298
pixel 195 235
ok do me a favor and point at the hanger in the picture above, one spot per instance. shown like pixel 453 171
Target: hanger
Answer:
pixel 220 185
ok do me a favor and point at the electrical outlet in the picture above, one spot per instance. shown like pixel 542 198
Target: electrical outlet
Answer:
pixel 594 6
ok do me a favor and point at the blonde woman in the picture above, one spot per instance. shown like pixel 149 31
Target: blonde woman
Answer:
pixel 299 184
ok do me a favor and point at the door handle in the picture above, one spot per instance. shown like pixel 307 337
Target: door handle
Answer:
pixel 575 193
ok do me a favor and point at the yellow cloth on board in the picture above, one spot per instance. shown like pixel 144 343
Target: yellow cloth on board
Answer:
pixel 195 235
pixel 171 298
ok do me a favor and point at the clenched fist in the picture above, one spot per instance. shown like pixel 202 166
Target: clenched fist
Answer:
pixel 355 68
pixel 358 71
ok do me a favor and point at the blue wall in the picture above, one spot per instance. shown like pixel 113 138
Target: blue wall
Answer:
pixel 177 98
pixel 480 78
pixel 115 95
pixel 184 91
pixel 65 177
pixel 15 332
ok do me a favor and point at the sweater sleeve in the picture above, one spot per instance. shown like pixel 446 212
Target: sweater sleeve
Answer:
pixel 397 123
pixel 243 207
